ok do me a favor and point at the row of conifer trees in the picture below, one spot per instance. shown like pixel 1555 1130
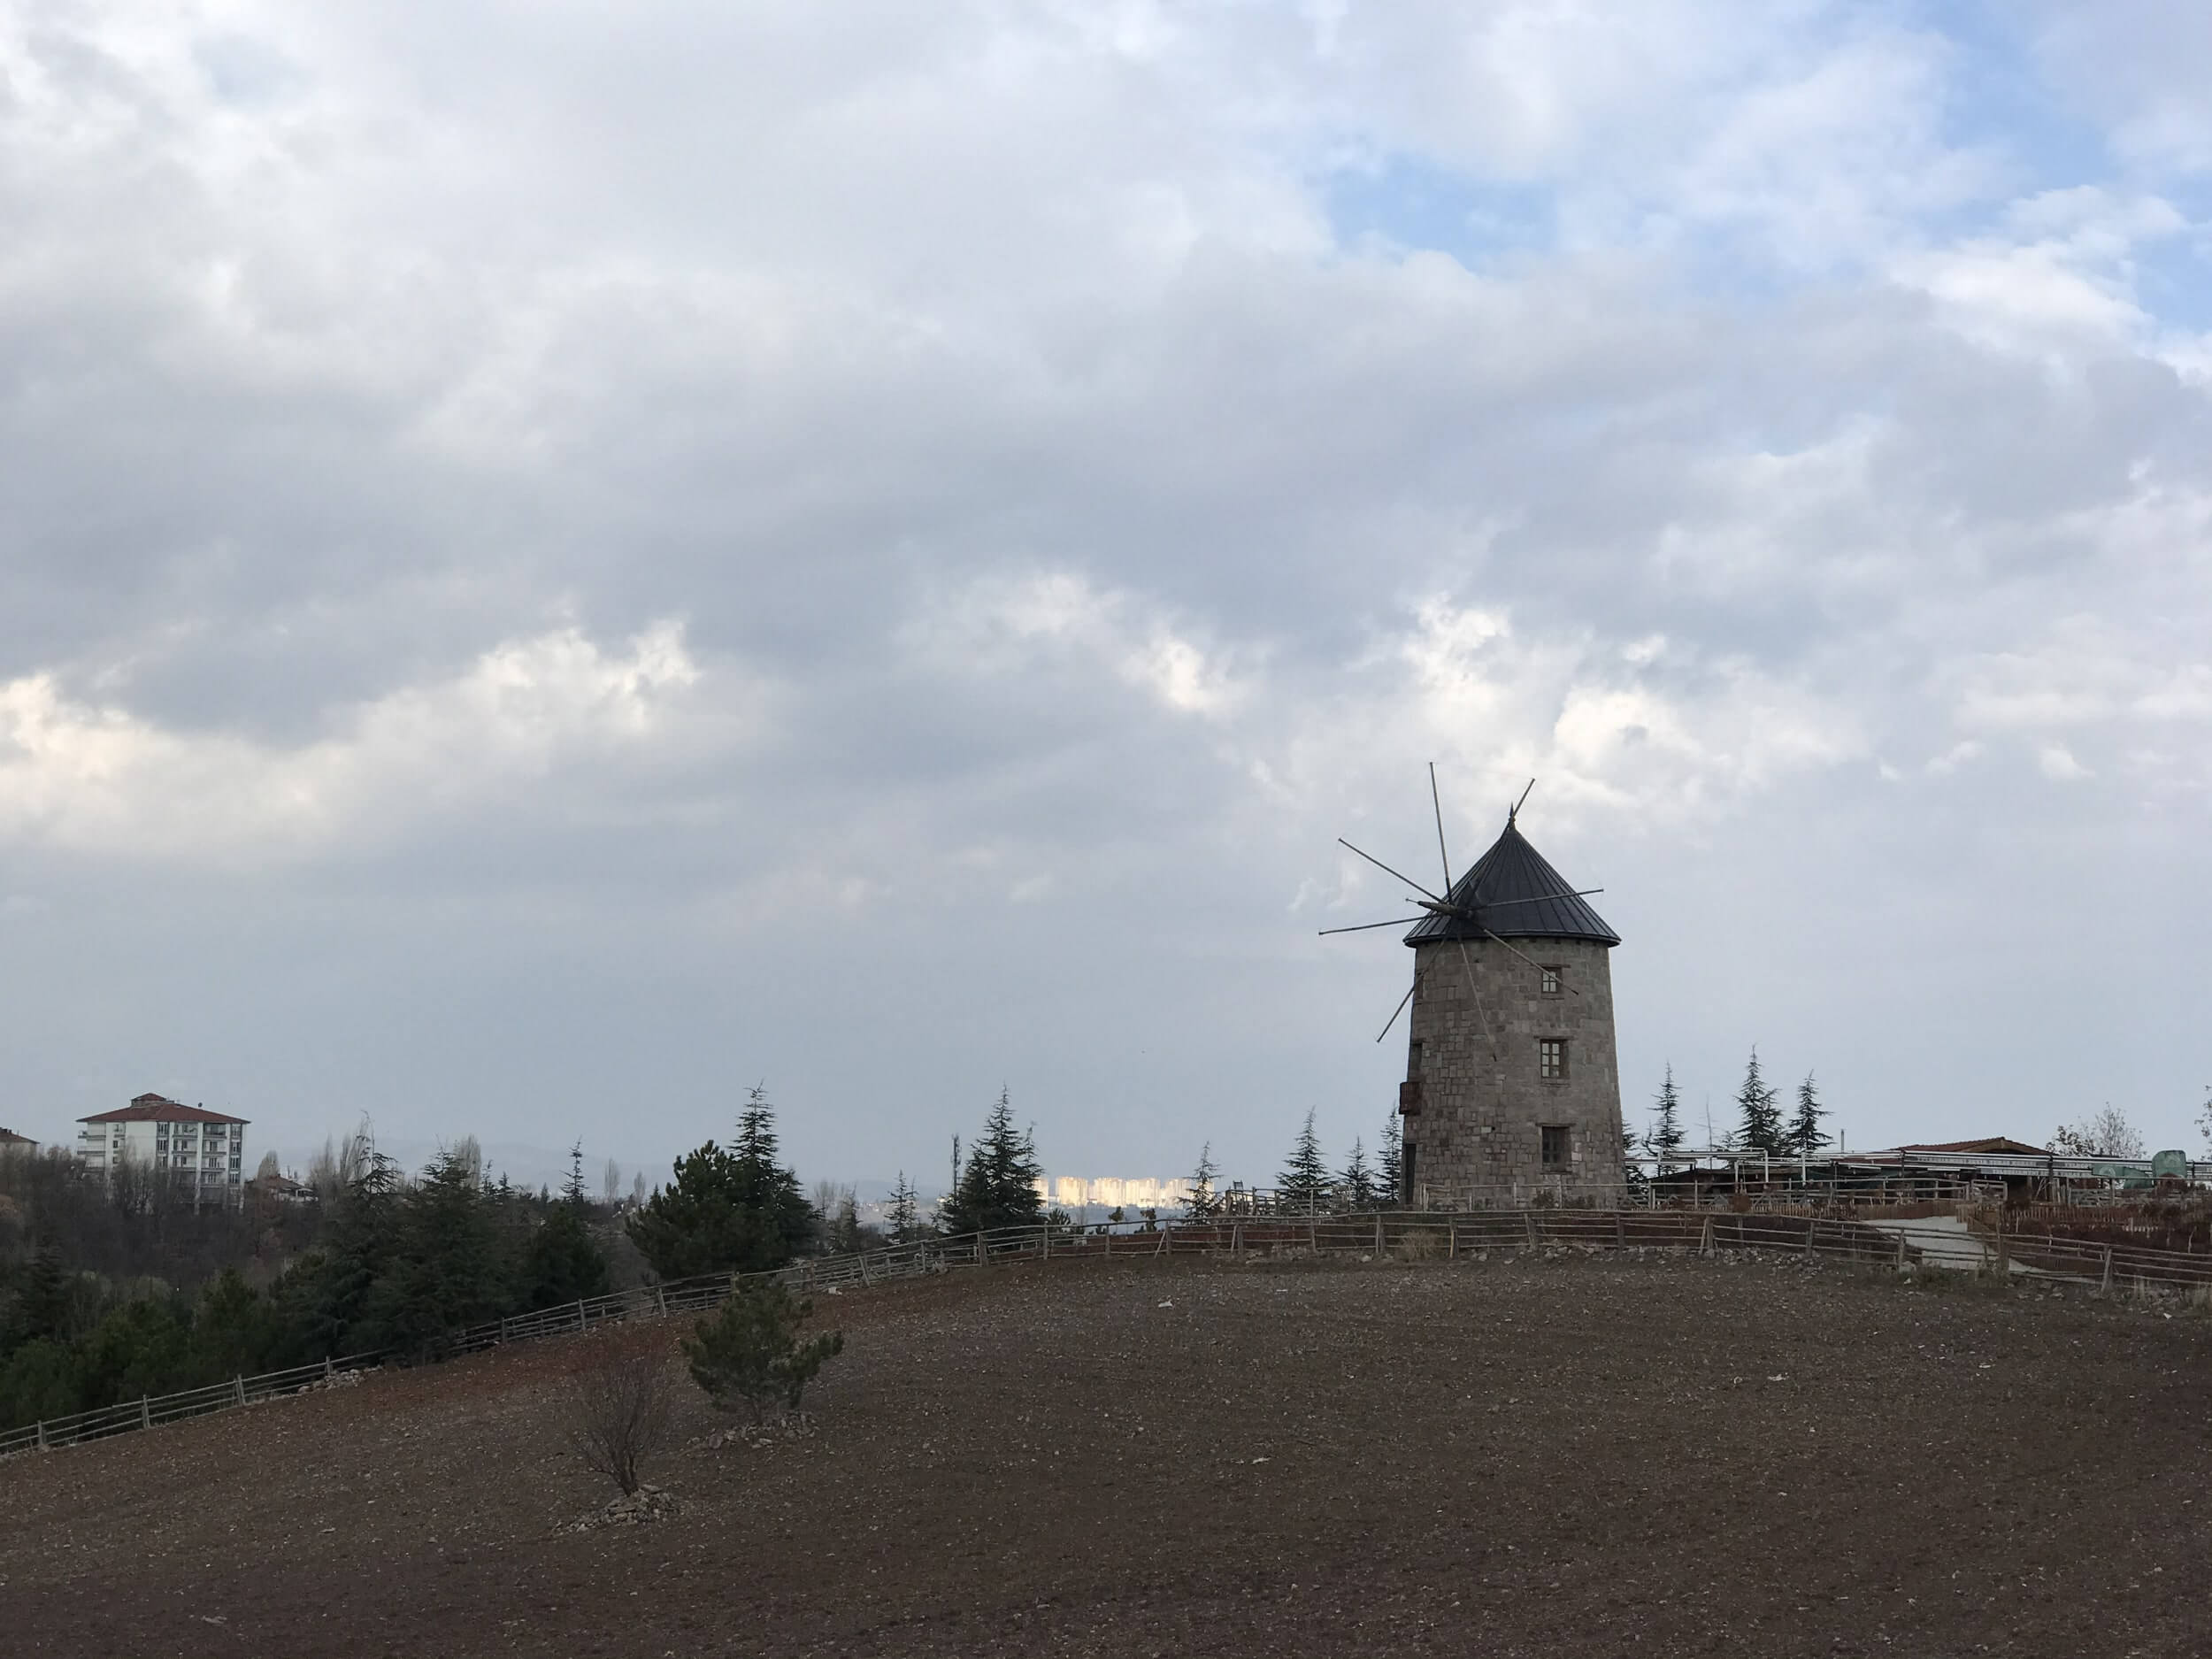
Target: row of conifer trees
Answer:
pixel 1761 1125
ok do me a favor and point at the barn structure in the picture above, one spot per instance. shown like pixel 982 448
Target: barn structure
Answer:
pixel 1512 1089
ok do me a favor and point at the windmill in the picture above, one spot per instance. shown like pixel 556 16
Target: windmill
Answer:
pixel 1463 909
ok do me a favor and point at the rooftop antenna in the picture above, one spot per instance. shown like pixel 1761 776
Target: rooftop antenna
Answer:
pixel 1460 902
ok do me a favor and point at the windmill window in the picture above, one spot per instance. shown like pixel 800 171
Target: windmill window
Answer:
pixel 1551 982
pixel 1558 1144
pixel 1551 1057
pixel 1413 1062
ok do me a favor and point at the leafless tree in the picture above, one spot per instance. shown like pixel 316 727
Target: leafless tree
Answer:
pixel 621 1408
pixel 611 1184
pixel 2106 1134
pixel 637 1188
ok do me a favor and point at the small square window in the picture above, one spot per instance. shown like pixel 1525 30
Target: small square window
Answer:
pixel 1413 1062
pixel 1551 1057
pixel 1551 982
pixel 1558 1147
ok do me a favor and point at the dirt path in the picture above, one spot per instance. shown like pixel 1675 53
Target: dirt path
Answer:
pixel 1508 1457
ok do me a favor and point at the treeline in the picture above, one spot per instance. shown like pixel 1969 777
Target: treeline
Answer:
pixel 1761 1124
pixel 107 1293
pixel 394 1266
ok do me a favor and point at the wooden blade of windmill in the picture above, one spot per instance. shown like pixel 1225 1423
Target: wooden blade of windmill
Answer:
pixel 1481 1013
pixel 1443 857
pixel 1363 927
pixel 1387 871
pixel 1514 811
pixel 1401 1008
pixel 1532 961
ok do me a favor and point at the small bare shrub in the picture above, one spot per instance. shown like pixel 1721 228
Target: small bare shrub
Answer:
pixel 1421 1244
pixel 2200 1298
pixel 621 1405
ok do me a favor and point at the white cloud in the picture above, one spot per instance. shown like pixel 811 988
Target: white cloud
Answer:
pixel 92 777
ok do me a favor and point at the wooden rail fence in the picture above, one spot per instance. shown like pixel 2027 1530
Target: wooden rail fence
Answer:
pixel 1410 1235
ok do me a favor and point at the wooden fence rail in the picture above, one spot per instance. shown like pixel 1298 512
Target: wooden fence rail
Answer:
pixel 1411 1235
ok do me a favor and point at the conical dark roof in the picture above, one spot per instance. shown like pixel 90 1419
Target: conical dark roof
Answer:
pixel 1514 870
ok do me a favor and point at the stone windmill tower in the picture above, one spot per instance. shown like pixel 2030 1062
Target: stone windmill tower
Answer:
pixel 1512 1089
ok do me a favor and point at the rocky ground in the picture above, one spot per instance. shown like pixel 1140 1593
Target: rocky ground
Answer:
pixel 1506 1457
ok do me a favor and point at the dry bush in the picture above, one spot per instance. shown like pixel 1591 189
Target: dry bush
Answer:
pixel 1421 1245
pixel 622 1404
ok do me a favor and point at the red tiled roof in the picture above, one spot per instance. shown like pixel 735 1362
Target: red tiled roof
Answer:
pixel 159 1108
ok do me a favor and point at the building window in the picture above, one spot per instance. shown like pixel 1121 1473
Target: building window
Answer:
pixel 1413 1062
pixel 1558 1149
pixel 1551 1057
pixel 1551 982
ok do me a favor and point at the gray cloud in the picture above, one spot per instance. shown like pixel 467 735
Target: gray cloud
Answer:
pixel 551 572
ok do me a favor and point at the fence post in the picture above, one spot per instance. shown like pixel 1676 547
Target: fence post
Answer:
pixel 1529 1217
pixel 2107 1286
pixel 581 1324
pixel 503 1327
pixel 145 1412
pixel 660 1300
pixel 1451 1239
pixel 1811 1223
pixel 330 1370
pixel 980 1257
pixel 1236 1237
pixel 1620 1232
pixel 1313 1233
pixel 1048 1241
pixel 238 1388
pixel 1378 1233
pixel 42 1437
pixel 1900 1250
pixel 1705 1241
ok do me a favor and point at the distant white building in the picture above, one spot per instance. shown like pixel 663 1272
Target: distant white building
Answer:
pixel 203 1150
pixel 1075 1192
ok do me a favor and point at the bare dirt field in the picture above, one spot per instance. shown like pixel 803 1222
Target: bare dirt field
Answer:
pixel 1575 1455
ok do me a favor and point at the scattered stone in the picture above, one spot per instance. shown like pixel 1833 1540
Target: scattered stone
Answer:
pixel 647 1503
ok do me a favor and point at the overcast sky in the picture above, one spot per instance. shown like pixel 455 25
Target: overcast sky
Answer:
pixel 558 561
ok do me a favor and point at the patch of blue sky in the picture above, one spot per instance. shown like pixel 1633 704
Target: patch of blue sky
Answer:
pixel 1408 204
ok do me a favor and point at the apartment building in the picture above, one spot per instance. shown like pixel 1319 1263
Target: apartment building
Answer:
pixel 205 1151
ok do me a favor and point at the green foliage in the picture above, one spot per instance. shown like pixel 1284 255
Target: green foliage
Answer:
pixel 998 1187
pixel 749 1355
pixel 445 1269
pixel 1760 1129
pixel 1664 1139
pixel 1304 1185
pixel 41 1381
pixel 1356 1186
pixel 563 1262
pixel 906 1216
pixel 1203 1199
pixel 1390 1165
pixel 1804 1133
pixel 727 1211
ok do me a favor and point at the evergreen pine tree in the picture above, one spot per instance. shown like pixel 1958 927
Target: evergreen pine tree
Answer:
pixel 1390 1164
pixel 1804 1134
pixel 906 1226
pixel 1356 1186
pixel 1665 1137
pixel 1203 1199
pixel 562 1263
pixel 727 1209
pixel 1304 1185
pixel 1761 1127
pixel 998 1187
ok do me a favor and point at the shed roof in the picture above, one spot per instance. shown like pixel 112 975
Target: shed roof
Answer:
pixel 1515 894
pixel 159 1108
pixel 2005 1144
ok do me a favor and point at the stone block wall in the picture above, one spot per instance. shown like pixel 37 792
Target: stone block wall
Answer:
pixel 1482 1101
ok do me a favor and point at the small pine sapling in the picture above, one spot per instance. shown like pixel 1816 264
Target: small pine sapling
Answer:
pixel 749 1355
pixel 1390 1165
